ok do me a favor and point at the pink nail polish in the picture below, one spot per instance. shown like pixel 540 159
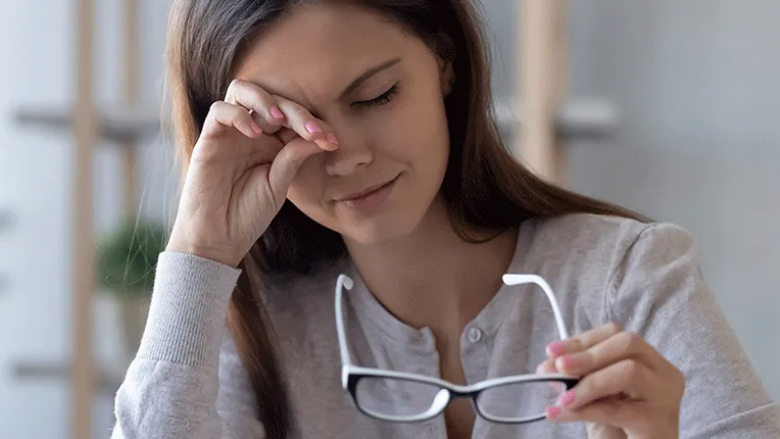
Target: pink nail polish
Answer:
pixel 332 138
pixel 256 128
pixel 553 411
pixel 567 398
pixel 555 349
pixel 312 127
pixel 277 113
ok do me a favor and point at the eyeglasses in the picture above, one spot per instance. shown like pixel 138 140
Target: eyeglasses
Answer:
pixel 406 397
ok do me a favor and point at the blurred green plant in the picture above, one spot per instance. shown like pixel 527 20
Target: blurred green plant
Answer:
pixel 128 257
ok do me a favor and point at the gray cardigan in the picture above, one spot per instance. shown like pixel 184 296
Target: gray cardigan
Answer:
pixel 188 382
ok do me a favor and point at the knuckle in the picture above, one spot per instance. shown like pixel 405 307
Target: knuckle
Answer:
pixel 298 113
pixel 247 92
pixel 574 345
pixel 588 359
pixel 631 370
pixel 635 341
pixel 235 83
pixel 256 97
pixel 216 106
pixel 285 159
pixel 629 341
pixel 614 327
pixel 545 367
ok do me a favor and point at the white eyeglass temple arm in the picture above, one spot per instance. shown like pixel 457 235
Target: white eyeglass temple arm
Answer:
pixel 517 279
pixel 343 281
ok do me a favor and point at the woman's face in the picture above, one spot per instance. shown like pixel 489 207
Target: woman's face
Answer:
pixel 392 126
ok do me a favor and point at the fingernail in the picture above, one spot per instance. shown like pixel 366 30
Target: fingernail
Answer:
pixel 565 362
pixel 256 128
pixel 555 349
pixel 553 412
pixel 277 113
pixel 312 127
pixel 332 138
pixel 567 398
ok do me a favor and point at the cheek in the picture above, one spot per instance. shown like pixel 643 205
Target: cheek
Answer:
pixel 418 134
pixel 427 140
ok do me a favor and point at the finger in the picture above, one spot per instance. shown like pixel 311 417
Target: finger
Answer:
pixel 285 166
pixel 223 116
pixel 547 366
pixel 626 378
pixel 621 346
pixel 609 411
pixel 582 341
pixel 307 126
pixel 262 105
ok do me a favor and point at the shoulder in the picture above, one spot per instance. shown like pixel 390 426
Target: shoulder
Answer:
pixel 604 241
pixel 592 260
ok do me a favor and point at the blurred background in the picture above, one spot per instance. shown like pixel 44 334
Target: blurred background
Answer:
pixel 671 108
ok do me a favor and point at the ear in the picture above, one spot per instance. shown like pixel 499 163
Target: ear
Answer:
pixel 445 48
pixel 446 76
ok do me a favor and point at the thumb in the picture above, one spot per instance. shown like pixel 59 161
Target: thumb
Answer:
pixel 603 431
pixel 287 162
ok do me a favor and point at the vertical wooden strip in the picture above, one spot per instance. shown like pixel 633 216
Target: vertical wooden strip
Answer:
pixel 130 80
pixel 129 179
pixel 543 71
pixel 82 370
pixel 561 92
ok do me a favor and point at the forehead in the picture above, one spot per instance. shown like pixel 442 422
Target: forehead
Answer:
pixel 318 49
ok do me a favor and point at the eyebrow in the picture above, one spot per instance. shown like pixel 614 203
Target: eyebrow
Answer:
pixel 369 73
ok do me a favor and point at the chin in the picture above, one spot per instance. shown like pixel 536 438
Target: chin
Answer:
pixel 379 231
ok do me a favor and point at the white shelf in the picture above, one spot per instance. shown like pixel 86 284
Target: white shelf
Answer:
pixel 580 118
pixel 584 118
pixel 108 379
pixel 119 124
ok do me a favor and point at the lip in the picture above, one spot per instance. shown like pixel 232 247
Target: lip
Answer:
pixel 365 193
pixel 367 201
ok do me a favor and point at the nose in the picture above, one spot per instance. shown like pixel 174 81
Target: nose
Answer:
pixel 354 152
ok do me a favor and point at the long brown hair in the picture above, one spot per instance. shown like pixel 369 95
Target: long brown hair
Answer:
pixel 206 37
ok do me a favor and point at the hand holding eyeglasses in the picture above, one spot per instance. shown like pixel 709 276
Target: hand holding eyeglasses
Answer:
pixel 627 389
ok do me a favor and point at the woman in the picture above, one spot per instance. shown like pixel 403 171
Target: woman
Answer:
pixel 326 138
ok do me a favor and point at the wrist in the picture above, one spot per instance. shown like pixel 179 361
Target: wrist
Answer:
pixel 223 255
pixel 658 431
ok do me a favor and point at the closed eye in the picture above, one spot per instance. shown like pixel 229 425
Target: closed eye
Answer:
pixel 383 99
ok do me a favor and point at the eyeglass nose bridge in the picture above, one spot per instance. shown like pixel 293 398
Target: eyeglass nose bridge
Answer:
pixel 447 394
pixel 440 404
pixel 457 394
pixel 473 396
pixel 453 394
